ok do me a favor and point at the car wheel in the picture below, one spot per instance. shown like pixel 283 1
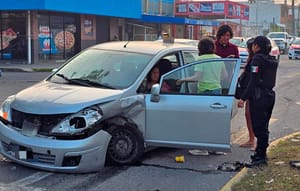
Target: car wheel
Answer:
pixel 290 58
pixel 126 145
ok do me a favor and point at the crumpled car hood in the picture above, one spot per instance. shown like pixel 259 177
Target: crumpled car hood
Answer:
pixel 51 98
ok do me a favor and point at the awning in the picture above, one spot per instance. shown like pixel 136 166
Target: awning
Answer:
pixel 177 20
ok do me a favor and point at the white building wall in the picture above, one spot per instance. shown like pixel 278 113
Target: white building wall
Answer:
pixel 261 14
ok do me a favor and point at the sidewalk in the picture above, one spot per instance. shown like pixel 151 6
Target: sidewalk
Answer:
pixel 20 66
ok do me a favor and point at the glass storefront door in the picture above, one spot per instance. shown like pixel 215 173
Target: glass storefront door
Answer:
pixel 57 36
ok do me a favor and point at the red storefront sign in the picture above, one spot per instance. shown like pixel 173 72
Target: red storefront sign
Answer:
pixel 214 9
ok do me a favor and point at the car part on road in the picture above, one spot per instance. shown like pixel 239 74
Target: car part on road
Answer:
pixel 295 164
pixel 231 166
pixel 179 159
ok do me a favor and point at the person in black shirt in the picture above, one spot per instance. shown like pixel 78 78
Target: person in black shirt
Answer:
pixel 261 96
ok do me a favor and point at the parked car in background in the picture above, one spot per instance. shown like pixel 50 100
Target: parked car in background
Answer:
pixel 237 40
pixel 96 108
pixel 243 52
pixel 294 50
pixel 282 39
pixel 275 51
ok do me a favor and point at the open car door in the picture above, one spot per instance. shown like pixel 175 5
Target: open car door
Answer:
pixel 185 118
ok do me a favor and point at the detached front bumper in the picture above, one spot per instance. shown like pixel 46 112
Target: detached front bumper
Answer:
pixel 76 156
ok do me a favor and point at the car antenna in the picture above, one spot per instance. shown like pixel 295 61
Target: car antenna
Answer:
pixel 126 44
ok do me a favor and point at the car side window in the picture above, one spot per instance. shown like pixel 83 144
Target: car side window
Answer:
pixel 210 77
pixel 164 65
pixel 190 56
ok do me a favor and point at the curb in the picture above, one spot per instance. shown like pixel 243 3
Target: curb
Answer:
pixel 237 178
pixel 26 69
pixel 16 70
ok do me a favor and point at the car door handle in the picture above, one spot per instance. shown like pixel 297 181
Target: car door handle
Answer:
pixel 218 106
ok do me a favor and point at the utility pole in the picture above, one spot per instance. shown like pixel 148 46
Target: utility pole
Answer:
pixel 298 20
pixel 293 18
pixel 256 14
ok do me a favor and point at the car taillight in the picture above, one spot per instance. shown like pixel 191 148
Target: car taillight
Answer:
pixel 274 52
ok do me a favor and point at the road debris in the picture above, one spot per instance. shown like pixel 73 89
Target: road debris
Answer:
pixel 231 166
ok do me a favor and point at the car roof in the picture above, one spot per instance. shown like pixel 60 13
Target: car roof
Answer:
pixel 146 47
pixel 277 32
pixel 238 37
pixel 183 41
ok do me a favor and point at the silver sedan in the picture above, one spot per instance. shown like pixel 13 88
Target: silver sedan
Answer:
pixel 96 109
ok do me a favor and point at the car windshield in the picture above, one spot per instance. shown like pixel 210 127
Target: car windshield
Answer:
pixel 103 68
pixel 236 41
pixel 297 41
pixel 243 44
pixel 277 35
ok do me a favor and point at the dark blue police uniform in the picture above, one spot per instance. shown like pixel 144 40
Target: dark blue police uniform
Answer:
pixel 262 99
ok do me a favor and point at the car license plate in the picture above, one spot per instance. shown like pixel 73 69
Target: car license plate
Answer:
pixel 22 155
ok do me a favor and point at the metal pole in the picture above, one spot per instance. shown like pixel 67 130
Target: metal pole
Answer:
pixel 293 17
pixel 298 19
pixel 256 18
pixel 29 37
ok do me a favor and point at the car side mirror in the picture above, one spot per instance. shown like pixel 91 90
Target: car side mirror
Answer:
pixel 155 93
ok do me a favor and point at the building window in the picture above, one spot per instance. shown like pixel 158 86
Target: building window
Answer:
pixel 13 36
pixel 56 36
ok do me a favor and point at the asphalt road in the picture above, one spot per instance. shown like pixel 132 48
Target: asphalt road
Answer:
pixel 158 170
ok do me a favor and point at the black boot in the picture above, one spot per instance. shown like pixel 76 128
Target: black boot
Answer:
pixel 256 161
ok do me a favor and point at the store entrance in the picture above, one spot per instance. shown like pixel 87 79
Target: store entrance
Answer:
pixel 59 36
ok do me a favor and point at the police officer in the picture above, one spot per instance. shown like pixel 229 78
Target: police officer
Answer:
pixel 260 93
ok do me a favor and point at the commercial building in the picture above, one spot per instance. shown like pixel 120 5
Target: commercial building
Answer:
pixel 225 11
pixel 35 31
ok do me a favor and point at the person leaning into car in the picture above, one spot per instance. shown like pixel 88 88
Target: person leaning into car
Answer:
pixel 208 75
pixel 259 91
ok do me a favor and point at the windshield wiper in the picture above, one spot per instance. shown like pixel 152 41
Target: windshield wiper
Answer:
pixel 85 82
pixel 74 81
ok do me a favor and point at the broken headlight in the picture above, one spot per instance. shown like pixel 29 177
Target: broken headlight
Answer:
pixel 78 123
